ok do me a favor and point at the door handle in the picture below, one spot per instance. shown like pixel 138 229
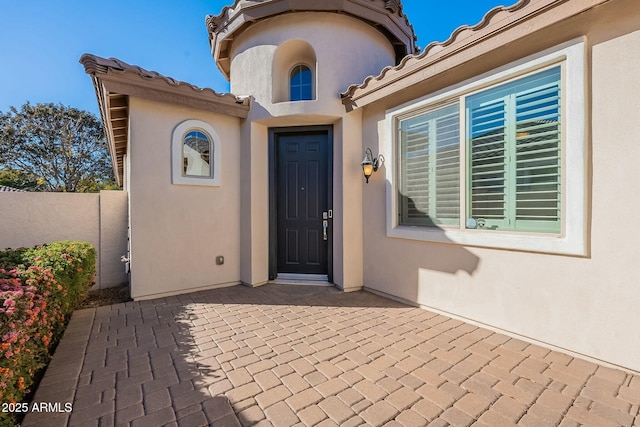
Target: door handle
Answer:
pixel 325 225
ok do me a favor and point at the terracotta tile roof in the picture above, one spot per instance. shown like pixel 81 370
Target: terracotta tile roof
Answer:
pixel 96 65
pixel 115 81
pixel 214 21
pixel 385 16
pixel 495 15
pixel 499 27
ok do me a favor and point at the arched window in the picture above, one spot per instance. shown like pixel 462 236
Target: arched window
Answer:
pixel 294 71
pixel 300 83
pixel 195 154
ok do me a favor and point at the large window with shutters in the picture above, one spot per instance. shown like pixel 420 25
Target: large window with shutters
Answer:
pixel 512 163
pixel 497 161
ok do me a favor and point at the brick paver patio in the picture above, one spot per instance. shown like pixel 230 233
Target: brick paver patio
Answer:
pixel 314 356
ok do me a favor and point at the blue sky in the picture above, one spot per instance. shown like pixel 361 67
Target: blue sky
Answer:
pixel 41 41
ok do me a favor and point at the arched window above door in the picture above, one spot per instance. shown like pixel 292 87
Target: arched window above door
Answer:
pixel 295 72
pixel 300 83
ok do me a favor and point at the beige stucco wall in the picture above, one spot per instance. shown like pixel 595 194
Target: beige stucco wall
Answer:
pixel 178 230
pixel 114 220
pixel 348 178
pixel 254 205
pixel 30 219
pixel 587 305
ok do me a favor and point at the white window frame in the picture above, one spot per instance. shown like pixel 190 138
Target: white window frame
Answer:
pixel 177 141
pixel 572 240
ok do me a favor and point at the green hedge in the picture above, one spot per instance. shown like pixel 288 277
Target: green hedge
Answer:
pixel 39 289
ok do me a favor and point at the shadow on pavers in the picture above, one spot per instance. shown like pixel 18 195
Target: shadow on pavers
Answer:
pixel 138 363
pixel 153 362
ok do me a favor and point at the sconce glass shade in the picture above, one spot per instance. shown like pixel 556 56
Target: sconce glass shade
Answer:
pixel 367 164
pixel 367 169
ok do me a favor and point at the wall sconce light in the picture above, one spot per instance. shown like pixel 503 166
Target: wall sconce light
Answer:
pixel 371 164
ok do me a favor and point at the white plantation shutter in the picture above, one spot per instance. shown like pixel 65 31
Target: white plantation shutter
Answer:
pixel 430 168
pixel 447 167
pixel 537 162
pixel 415 171
pixel 515 154
pixel 487 189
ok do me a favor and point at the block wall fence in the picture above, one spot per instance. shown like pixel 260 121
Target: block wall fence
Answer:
pixel 30 219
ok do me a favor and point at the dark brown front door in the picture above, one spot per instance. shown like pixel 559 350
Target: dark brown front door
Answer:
pixel 302 201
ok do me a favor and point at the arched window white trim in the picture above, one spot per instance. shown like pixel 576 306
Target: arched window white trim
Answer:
pixel 286 56
pixel 195 154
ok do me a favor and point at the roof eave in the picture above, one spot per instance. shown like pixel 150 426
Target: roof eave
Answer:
pixel 203 99
pixel 115 81
pixel 232 20
pixel 116 163
pixel 499 26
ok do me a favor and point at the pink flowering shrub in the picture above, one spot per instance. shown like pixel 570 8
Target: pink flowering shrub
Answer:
pixel 73 266
pixel 37 297
pixel 27 328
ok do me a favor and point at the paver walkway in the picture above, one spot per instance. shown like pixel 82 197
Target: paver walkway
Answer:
pixel 312 356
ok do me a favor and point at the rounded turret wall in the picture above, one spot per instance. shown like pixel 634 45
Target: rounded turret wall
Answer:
pixel 338 50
